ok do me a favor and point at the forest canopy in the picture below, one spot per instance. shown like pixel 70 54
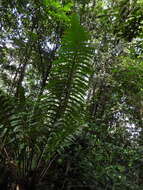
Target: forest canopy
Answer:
pixel 71 94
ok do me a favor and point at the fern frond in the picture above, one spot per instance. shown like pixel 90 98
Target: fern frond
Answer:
pixel 68 85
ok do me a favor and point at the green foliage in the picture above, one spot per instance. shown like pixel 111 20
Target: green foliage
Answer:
pixel 58 10
pixel 71 78
pixel 60 106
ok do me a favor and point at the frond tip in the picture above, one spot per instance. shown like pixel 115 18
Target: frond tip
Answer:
pixel 76 34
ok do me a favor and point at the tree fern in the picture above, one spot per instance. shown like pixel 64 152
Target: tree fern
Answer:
pixel 37 129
